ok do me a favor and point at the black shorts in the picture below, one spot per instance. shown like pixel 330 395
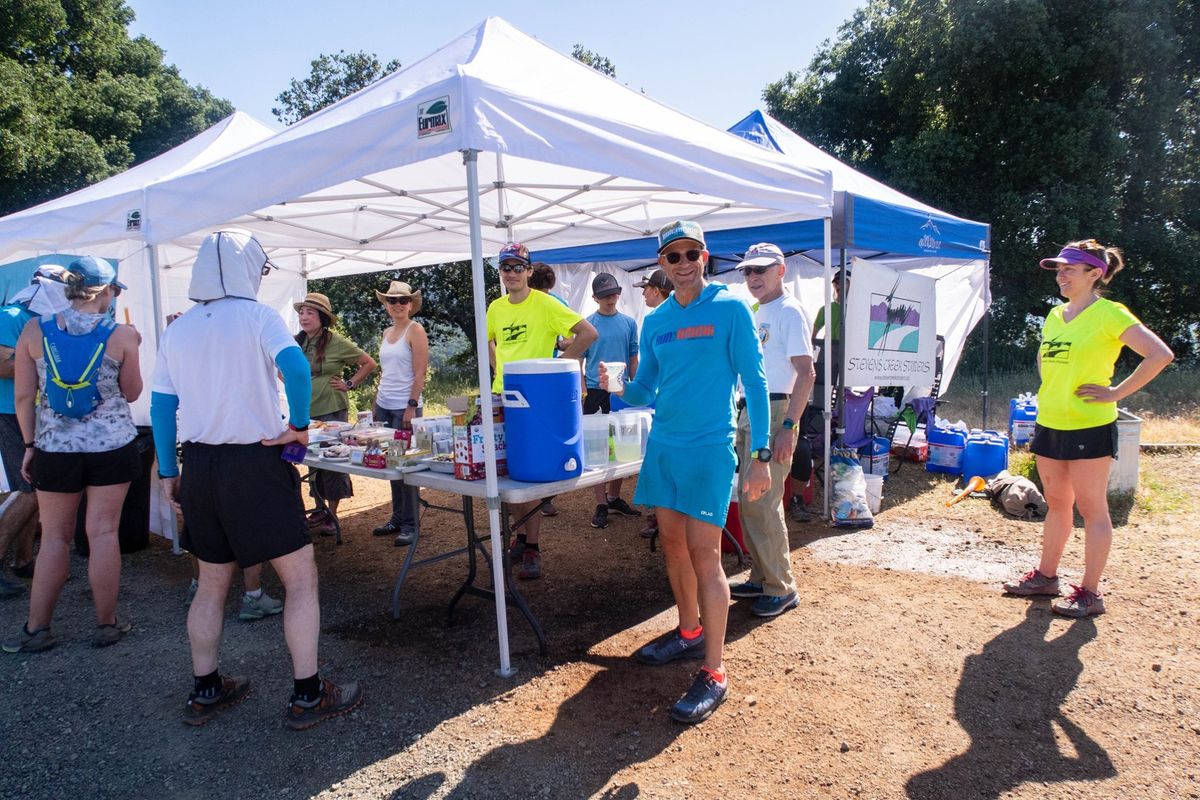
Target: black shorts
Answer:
pixel 1098 442
pixel 71 473
pixel 597 401
pixel 241 502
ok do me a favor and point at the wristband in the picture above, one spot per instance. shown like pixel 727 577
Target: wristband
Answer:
pixel 29 445
pixel 297 428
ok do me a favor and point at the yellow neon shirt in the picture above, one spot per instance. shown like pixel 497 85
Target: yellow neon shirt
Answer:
pixel 1073 353
pixel 527 329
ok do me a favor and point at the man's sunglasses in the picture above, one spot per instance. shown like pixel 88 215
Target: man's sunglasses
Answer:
pixel 398 301
pixel 516 267
pixel 757 270
pixel 267 267
pixel 675 257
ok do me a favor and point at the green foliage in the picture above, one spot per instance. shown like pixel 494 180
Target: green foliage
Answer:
pixel 80 100
pixel 332 78
pixel 594 60
pixel 1052 121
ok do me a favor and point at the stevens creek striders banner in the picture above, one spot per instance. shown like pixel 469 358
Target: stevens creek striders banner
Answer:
pixel 891 327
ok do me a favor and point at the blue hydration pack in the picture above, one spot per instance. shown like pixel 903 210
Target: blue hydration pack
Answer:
pixel 72 364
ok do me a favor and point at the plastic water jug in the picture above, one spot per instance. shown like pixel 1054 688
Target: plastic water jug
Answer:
pixel 595 440
pixel 1022 415
pixel 946 447
pixel 630 429
pixel 543 419
pixel 874 456
pixel 985 454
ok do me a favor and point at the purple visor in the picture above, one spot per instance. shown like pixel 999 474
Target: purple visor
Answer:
pixel 1073 255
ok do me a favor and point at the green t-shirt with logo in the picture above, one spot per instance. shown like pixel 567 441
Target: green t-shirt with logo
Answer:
pixel 340 354
pixel 527 329
pixel 1073 353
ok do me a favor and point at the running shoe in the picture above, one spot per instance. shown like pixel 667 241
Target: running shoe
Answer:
pixel 531 565
pixel 333 702
pixel 254 608
pixel 23 642
pixel 669 647
pixel 600 518
pixel 1079 603
pixel 772 606
pixel 701 699
pixel 108 635
pixel 618 505
pixel 1033 583
pixel 199 710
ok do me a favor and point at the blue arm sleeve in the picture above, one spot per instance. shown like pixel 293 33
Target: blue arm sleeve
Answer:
pixel 297 383
pixel 642 390
pixel 748 361
pixel 163 426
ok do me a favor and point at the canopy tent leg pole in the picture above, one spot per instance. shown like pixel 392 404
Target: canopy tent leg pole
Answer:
pixel 827 412
pixel 156 306
pixel 471 161
pixel 987 312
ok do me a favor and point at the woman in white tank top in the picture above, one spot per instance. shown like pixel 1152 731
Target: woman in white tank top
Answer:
pixel 403 359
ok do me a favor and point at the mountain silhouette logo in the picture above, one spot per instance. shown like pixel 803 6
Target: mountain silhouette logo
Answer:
pixel 931 239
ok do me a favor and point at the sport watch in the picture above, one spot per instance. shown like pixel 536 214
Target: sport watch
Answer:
pixel 412 403
pixel 763 454
pixel 788 423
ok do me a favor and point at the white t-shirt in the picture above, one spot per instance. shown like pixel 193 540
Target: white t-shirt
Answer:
pixel 219 360
pixel 784 331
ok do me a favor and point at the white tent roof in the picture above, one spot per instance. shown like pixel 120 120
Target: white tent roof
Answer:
pixel 568 156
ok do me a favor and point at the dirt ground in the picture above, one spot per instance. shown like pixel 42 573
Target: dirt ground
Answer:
pixel 902 673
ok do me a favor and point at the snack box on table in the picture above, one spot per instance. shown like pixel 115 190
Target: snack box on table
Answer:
pixel 466 415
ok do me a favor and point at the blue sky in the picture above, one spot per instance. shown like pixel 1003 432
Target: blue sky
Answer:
pixel 708 59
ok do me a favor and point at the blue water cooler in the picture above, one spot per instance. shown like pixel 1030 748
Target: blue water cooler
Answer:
pixel 1022 415
pixel 543 419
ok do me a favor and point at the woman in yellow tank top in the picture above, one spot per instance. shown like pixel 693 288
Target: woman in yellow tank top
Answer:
pixel 1075 435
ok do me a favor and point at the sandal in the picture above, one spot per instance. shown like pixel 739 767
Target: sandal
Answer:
pixel 108 635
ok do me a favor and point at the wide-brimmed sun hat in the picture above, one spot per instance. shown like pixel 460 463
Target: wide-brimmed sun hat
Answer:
pixel 401 289
pixel 318 302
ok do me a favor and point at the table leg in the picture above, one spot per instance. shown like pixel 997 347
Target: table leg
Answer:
pixel 408 557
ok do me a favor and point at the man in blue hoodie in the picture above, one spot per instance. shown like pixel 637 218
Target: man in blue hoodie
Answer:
pixel 693 349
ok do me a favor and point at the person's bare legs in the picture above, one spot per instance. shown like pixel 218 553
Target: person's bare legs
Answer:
pixel 532 527
pixel 613 489
pixel 704 549
pixel 672 532
pixel 252 578
pixel 302 612
pixel 1060 515
pixel 104 548
pixel 53 562
pixel 17 525
pixel 206 615
pixel 1089 478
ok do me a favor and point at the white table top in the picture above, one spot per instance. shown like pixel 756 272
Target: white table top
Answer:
pixel 313 461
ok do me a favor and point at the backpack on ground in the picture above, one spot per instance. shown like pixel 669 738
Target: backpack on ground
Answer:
pixel 72 364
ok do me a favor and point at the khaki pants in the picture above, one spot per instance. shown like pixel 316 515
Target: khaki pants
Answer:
pixel 763 524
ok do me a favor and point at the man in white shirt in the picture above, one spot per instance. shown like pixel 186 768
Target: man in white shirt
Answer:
pixel 786 338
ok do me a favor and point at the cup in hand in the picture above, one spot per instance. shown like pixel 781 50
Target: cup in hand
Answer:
pixel 616 375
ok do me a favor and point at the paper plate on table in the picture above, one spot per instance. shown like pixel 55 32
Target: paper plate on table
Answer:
pixel 335 459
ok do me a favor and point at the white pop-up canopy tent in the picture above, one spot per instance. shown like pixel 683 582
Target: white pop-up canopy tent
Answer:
pixel 493 138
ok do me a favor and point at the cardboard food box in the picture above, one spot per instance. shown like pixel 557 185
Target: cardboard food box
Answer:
pixel 467 426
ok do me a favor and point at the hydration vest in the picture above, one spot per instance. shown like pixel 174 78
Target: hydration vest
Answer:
pixel 72 364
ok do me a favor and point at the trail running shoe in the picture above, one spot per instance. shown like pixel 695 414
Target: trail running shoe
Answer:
pixel 746 589
pixel 600 518
pixel 1034 583
pixel 651 529
pixel 23 642
pixel 669 647
pixel 516 552
pixel 701 699
pixel 531 565
pixel 199 710
pixel 108 635
pixel 10 587
pixel 621 507
pixel 1079 603
pixel 259 607
pixel 334 701
pixel 772 606
pixel 797 511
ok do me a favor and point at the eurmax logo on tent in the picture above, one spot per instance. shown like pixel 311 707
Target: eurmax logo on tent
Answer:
pixel 433 119
pixel 931 242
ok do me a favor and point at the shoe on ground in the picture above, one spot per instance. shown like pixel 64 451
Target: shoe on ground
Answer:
pixel 326 528
pixel 797 511
pixel 772 606
pixel 516 552
pixel 746 589
pixel 334 701
pixel 10 587
pixel 388 528
pixel 1033 583
pixel 254 608
pixel 108 635
pixel 701 699
pixel 669 647
pixel 600 518
pixel 651 529
pixel 549 509
pixel 23 642
pixel 531 565
pixel 317 517
pixel 621 507
pixel 404 538
pixel 1079 603
pixel 199 710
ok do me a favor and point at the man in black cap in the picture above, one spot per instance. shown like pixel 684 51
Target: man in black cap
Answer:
pixel 656 287
pixel 617 342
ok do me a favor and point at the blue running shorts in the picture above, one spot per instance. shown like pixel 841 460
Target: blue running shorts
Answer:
pixel 696 481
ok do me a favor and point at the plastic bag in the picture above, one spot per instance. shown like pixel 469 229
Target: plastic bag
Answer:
pixel 850 509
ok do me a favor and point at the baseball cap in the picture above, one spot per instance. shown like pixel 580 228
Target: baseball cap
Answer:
pixel 605 284
pixel 680 229
pixel 95 272
pixel 513 251
pixel 657 278
pixel 763 254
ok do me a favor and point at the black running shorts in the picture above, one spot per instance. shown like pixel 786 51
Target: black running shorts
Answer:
pixel 1098 442
pixel 71 473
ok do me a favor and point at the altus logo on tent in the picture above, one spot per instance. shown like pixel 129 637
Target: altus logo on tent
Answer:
pixel 433 118
pixel 931 241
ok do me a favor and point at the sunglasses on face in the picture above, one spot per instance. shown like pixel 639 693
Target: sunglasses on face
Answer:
pixel 675 257
pixel 399 301
pixel 267 267
pixel 512 266
pixel 756 270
